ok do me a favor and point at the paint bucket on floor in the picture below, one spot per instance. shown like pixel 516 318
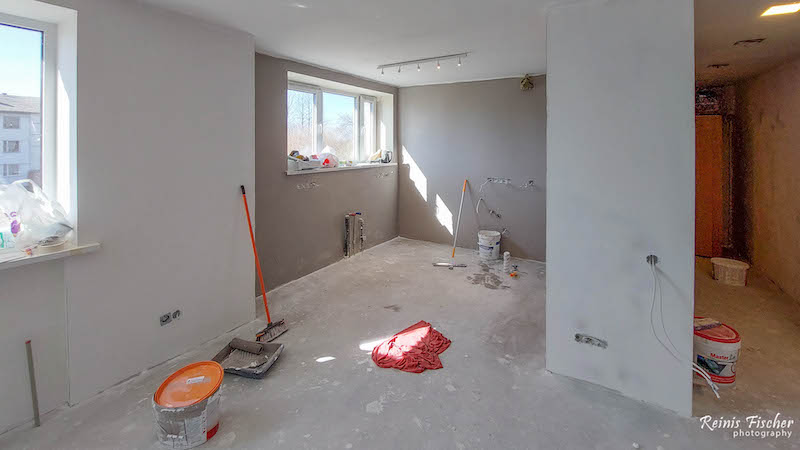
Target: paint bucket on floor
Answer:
pixel 716 349
pixel 186 405
pixel 488 245
pixel 729 271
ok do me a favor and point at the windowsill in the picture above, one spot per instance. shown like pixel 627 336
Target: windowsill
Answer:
pixel 339 169
pixel 67 251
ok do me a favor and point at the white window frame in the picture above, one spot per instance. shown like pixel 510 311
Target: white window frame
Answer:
pixel 359 152
pixel 48 106
pixel 316 113
pixel 365 153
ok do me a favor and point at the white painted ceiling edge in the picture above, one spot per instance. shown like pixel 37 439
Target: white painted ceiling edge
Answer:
pixel 504 38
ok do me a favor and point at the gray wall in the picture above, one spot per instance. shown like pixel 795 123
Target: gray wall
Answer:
pixel 768 108
pixel 473 131
pixel 620 185
pixel 159 96
pixel 301 230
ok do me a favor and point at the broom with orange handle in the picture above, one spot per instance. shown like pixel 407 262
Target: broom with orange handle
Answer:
pixel 273 330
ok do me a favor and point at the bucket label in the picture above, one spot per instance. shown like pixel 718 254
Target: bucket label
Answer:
pixel 721 369
pixel 195 380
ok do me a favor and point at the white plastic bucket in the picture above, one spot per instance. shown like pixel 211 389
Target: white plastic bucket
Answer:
pixel 488 245
pixel 730 271
pixel 716 350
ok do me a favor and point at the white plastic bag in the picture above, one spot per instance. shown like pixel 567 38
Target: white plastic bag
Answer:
pixel 33 218
pixel 328 158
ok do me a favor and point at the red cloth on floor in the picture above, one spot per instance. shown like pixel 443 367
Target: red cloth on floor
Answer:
pixel 415 349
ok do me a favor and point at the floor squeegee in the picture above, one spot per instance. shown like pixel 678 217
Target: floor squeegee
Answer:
pixel 450 265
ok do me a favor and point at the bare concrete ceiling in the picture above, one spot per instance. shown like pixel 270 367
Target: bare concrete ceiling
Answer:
pixel 506 38
pixel 721 23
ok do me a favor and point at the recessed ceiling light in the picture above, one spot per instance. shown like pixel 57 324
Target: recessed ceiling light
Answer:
pixel 790 8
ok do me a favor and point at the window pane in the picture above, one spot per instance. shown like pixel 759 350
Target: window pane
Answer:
pixel 20 104
pixel 338 125
pixel 300 122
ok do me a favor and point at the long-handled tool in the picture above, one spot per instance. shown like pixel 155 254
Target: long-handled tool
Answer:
pixel 273 330
pixel 452 262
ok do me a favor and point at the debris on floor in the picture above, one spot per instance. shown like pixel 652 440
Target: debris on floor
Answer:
pixel 415 349
pixel 488 278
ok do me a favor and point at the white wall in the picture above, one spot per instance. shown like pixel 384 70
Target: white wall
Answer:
pixel 620 185
pixel 32 307
pixel 165 115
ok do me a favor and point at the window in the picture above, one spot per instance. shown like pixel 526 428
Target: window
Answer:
pixel 11 122
pixel 10 170
pixel 38 73
pixel 301 126
pixel 10 146
pixel 339 114
pixel 322 119
pixel 21 85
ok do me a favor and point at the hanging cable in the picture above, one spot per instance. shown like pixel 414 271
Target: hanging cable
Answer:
pixel 675 354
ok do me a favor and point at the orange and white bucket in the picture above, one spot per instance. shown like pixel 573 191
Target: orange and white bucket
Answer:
pixel 716 350
pixel 186 405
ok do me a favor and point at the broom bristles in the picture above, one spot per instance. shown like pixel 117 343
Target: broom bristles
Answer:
pixel 272 331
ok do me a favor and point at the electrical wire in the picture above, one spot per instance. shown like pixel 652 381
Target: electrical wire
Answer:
pixel 695 367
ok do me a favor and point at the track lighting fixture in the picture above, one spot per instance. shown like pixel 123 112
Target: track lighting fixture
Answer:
pixel 419 62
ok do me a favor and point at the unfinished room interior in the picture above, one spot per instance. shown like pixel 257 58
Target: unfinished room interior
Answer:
pixel 321 224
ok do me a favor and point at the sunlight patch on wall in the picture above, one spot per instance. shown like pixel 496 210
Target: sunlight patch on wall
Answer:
pixel 443 214
pixel 416 175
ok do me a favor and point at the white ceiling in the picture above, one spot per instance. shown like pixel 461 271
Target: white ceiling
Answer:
pixel 720 23
pixel 505 38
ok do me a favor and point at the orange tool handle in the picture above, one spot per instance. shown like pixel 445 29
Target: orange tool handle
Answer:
pixel 255 253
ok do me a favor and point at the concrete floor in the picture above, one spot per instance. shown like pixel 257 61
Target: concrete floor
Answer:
pixel 768 321
pixel 493 391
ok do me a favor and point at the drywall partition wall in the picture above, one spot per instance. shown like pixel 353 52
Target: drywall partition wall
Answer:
pixel 301 217
pixel 453 132
pixel 32 307
pixel 768 109
pixel 165 137
pixel 620 185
